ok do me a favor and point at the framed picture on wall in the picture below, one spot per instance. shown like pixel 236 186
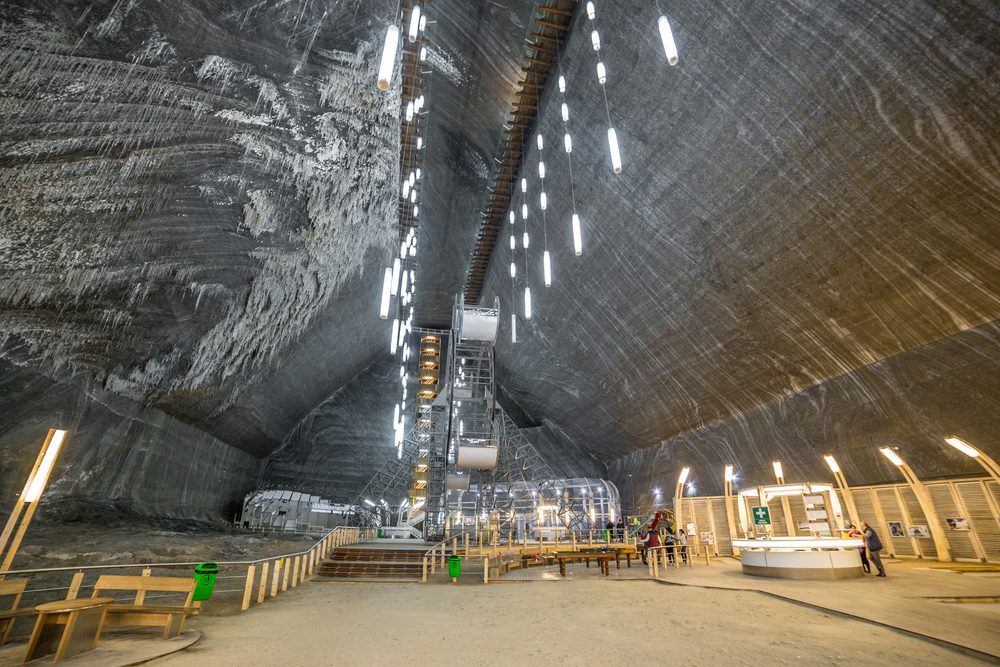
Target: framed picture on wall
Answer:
pixel 957 523
pixel 918 531
pixel 896 529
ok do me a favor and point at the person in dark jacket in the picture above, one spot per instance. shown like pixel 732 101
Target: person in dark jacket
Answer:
pixel 874 547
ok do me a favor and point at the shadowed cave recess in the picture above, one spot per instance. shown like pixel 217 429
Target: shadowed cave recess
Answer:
pixel 198 200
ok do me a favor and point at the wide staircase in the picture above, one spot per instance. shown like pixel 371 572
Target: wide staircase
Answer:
pixel 370 563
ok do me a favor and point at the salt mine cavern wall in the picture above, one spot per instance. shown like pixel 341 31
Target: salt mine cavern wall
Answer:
pixel 195 200
pixel 341 444
pixel 805 225
pixel 911 401
pixel 119 460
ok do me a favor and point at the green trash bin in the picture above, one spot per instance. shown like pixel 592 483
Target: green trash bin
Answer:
pixel 454 566
pixel 204 577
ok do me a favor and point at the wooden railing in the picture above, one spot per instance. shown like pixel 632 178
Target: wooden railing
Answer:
pixel 242 583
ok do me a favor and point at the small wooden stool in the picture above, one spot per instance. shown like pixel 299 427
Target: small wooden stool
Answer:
pixel 67 628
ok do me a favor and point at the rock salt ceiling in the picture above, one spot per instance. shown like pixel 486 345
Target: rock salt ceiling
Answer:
pixel 801 253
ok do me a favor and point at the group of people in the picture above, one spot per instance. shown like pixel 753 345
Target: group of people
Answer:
pixel 649 538
pixel 872 544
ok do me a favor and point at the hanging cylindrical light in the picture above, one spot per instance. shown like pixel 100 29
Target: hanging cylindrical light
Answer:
pixel 416 209
pixel 420 143
pixel 394 338
pixel 383 310
pixel 541 169
pixel 414 22
pixel 524 185
pixel 423 23
pixel 562 84
pixel 388 62
pixel 667 37
pixel 513 328
pixel 513 270
pixel 524 211
pixel 565 112
pixel 423 53
pixel 524 240
pixel 577 236
pixel 616 156
pixel 602 73
pixel 547 268
pixel 512 217
pixel 543 201
pixel 568 142
pixel 591 12
pixel 540 142
pixel 595 40
pixel 395 415
pixel 409 111
pixel 527 303
pixel 413 195
pixel 513 242
pixel 394 288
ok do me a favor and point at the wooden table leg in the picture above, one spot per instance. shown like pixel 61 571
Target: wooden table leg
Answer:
pixel 562 567
pixel 618 561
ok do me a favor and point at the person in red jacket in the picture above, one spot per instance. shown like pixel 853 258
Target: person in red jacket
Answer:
pixel 651 537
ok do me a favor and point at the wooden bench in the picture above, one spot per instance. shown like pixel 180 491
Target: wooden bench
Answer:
pixel 12 587
pixel 603 559
pixel 170 617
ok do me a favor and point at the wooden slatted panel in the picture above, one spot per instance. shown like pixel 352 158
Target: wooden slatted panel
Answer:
pixel 798 514
pixel 959 540
pixel 722 526
pixel 891 510
pixel 702 509
pixel 995 492
pixel 981 518
pixel 918 518
pixel 778 527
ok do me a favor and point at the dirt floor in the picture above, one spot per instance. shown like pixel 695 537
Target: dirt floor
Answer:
pixel 134 541
pixel 565 623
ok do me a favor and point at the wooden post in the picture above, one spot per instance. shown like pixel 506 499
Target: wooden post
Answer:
pixel 263 583
pixel 248 587
pixel 140 596
pixel 287 567
pixel 19 505
pixel 277 574
pixel 423 572
pixel 650 566
pixel 74 585
pixel 486 570
pixel 433 560
pixel 574 540
pixel 295 572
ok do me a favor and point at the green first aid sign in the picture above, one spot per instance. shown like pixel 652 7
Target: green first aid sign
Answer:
pixel 761 516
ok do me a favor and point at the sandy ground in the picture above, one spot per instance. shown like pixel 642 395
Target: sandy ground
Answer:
pixel 566 623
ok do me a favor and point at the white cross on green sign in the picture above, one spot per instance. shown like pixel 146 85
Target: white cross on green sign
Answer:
pixel 761 516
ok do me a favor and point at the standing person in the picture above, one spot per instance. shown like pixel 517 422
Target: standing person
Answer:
pixel 854 532
pixel 874 546
pixel 621 530
pixel 682 539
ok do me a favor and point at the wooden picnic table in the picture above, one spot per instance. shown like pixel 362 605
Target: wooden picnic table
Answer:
pixel 603 559
pixel 67 628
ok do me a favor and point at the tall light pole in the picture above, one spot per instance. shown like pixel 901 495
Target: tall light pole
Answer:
pixel 727 474
pixel 679 496
pixel 30 496
pixel 845 490
pixel 926 504
pixel 991 466
pixel 786 508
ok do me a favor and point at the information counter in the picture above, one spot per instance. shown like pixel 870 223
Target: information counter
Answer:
pixel 801 557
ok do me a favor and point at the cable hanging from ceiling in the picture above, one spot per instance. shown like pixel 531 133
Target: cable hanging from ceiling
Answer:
pixel 568 146
pixel 602 78
pixel 543 203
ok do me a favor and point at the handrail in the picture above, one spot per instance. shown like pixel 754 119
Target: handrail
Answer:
pixel 226 562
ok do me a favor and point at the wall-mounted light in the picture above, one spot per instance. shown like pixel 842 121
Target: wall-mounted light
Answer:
pixel 962 446
pixel 778 472
pixel 685 471
pixel 891 455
